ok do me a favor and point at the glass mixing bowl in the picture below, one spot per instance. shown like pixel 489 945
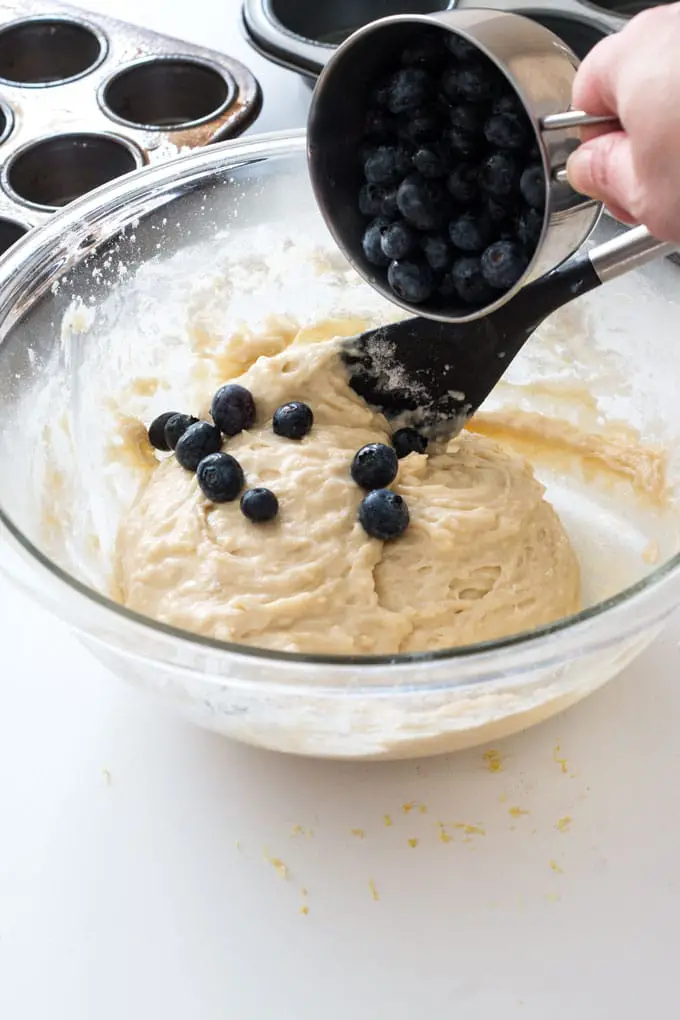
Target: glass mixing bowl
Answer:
pixel 610 358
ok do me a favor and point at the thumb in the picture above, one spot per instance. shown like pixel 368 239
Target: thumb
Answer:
pixel 603 169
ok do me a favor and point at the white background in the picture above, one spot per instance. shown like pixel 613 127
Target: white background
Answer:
pixel 136 874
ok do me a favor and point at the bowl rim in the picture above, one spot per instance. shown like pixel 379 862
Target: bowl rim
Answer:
pixel 115 206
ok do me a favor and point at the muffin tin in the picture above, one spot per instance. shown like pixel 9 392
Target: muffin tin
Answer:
pixel 302 34
pixel 86 98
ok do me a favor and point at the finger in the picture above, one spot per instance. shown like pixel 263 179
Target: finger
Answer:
pixel 604 169
pixel 622 215
pixel 595 131
pixel 593 89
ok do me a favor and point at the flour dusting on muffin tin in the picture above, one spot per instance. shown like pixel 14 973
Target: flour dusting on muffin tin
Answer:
pixel 85 98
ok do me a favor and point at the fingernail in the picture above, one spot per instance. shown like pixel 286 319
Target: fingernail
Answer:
pixel 579 169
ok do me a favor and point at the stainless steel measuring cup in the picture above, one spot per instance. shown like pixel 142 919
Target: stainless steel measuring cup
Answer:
pixel 538 65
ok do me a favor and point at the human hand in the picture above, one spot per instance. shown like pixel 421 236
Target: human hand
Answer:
pixel 634 76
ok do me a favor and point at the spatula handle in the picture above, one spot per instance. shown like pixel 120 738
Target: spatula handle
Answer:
pixel 630 250
pixel 584 271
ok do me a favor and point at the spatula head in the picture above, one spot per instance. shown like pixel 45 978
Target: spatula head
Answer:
pixel 426 374
pixel 435 375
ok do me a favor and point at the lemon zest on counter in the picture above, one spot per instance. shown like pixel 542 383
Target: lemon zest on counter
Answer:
pixel 470 830
pixel 444 836
pixel 278 865
pixel 494 762
pixel 562 762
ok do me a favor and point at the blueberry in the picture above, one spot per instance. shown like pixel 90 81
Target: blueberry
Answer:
pixel 460 47
pixel 156 431
pixel 374 466
pixel 499 212
pixel 407 441
pixel 508 103
pixel 471 232
pixel 421 202
pixel 389 207
pixel 446 288
pixel 411 281
pixel 430 162
pixel 507 230
pixel 503 263
pixel 293 420
pixel 197 442
pixel 379 124
pixel 367 147
pixel 476 81
pixel 233 409
pixel 529 227
pixel 462 143
pixel 380 94
pixel 461 183
pixel 422 126
pixel 175 427
pixel 499 174
pixel 469 283
pixel 386 164
pixel 383 514
pixel 402 159
pixel 532 186
pixel 371 198
pixel 397 240
pixel 448 83
pixel 468 117
pixel 371 242
pixel 259 505
pixel 426 51
pixel 220 477
pixel 409 88
pixel 437 251
pixel 507 130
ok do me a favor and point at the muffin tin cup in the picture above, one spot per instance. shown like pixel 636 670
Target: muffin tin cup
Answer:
pixel 167 93
pixel 11 231
pixel 6 121
pixel 52 171
pixel 38 52
pixel 86 98
pixel 303 34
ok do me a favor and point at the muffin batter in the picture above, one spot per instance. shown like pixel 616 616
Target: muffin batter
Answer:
pixel 484 556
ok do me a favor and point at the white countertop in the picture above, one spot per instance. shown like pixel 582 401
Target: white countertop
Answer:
pixel 138 875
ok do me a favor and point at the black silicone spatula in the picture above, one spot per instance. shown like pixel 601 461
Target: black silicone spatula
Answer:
pixel 434 375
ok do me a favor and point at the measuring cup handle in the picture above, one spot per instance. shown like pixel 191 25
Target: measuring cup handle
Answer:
pixel 575 119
